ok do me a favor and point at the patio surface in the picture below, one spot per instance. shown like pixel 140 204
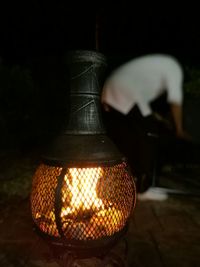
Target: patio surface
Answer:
pixel 160 234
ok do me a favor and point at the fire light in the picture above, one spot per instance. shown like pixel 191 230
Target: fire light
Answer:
pixel 95 202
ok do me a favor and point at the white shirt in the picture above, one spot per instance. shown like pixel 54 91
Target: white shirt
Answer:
pixel 141 80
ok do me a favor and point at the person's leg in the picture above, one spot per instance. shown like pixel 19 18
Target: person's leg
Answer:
pixel 148 144
pixel 129 133
pixel 125 132
pixel 143 148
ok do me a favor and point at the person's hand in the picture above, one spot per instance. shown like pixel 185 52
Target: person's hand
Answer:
pixel 184 135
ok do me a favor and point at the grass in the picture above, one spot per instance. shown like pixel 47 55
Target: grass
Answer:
pixel 16 172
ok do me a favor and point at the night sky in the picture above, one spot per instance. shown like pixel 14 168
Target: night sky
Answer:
pixel 33 31
pixel 38 34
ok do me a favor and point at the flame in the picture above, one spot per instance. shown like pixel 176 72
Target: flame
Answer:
pixel 83 212
pixel 90 207
pixel 83 190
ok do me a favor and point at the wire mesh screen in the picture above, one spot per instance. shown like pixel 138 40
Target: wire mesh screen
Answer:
pixel 43 198
pixel 94 202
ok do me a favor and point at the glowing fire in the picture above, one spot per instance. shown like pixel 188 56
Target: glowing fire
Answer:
pixel 83 190
pixel 83 213
pixel 93 203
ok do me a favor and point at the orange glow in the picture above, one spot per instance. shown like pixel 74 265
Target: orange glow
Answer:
pixel 82 208
pixel 95 202
pixel 83 189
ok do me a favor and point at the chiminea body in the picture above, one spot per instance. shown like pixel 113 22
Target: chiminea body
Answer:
pixel 83 192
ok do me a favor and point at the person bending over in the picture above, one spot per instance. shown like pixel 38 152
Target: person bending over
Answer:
pixel 126 97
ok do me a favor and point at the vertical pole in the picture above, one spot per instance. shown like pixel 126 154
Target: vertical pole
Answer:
pixel 97 32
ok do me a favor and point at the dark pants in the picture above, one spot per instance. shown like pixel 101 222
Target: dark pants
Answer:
pixel 144 140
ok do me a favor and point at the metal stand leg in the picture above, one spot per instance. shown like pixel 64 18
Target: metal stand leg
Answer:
pixel 114 258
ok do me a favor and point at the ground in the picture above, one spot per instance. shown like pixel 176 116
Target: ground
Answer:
pixel 160 234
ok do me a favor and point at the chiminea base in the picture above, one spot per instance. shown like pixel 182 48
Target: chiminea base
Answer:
pixel 112 257
pixel 82 249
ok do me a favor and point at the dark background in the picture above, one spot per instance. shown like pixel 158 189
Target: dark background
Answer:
pixel 33 31
pixel 35 37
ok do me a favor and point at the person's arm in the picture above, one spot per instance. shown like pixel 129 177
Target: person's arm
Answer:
pixel 106 107
pixel 176 110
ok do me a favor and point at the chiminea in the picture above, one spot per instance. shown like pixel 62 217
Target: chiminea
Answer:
pixel 83 192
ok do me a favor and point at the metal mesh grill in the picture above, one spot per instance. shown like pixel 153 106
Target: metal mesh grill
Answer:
pixel 94 202
pixel 43 198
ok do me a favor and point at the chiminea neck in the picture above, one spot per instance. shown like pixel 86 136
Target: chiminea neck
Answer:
pixel 86 72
